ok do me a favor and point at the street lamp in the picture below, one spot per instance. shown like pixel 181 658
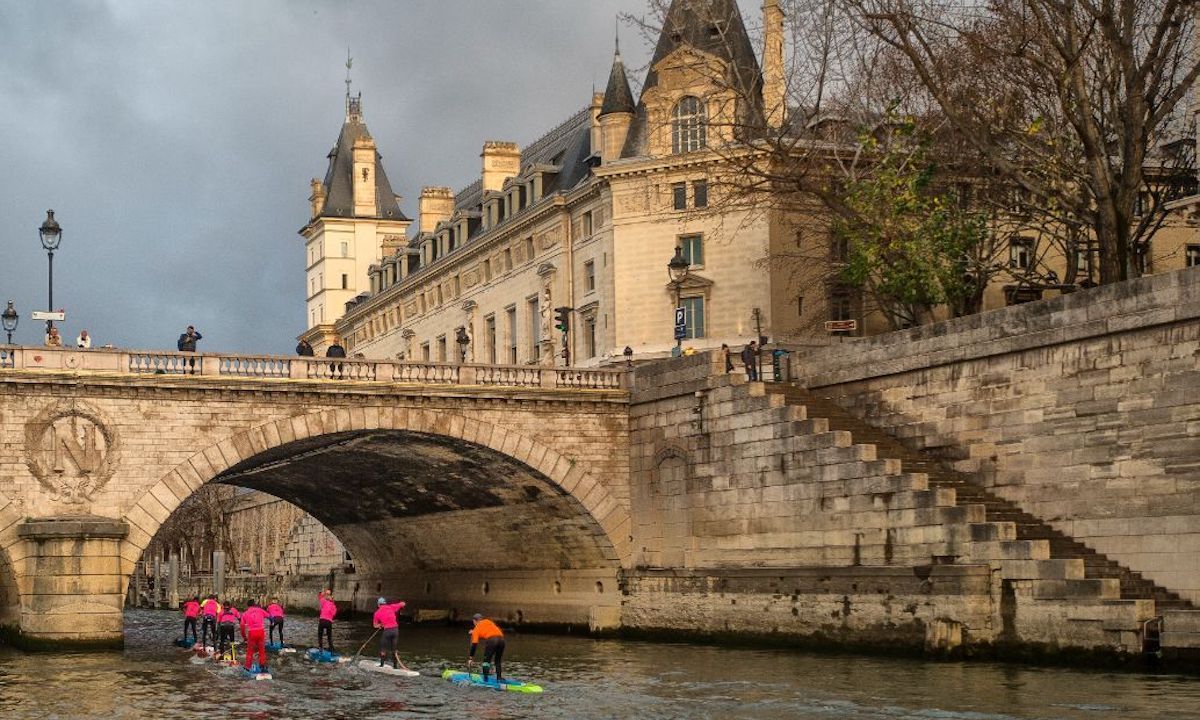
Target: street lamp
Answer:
pixel 51 234
pixel 10 317
pixel 678 270
pixel 464 341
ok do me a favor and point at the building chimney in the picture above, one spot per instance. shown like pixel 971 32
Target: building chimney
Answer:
pixel 501 160
pixel 436 205
pixel 366 203
pixel 597 137
pixel 774 82
pixel 317 198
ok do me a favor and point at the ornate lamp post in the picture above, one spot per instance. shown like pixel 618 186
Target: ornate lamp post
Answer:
pixel 10 318
pixel 678 269
pixel 51 234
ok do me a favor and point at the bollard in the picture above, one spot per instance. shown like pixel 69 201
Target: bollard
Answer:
pixel 173 581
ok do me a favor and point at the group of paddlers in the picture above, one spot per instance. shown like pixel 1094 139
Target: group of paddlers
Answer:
pixel 258 626
pixel 222 620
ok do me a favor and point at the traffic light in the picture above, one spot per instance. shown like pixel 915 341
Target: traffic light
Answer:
pixel 562 318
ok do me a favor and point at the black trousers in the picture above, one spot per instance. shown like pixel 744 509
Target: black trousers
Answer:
pixel 276 622
pixel 325 629
pixel 189 622
pixel 208 623
pixel 493 653
pixel 226 636
pixel 387 644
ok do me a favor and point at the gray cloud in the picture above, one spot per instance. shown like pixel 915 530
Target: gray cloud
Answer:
pixel 175 140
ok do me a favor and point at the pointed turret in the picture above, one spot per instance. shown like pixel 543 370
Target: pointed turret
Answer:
pixel 618 110
pixel 349 192
pixel 716 29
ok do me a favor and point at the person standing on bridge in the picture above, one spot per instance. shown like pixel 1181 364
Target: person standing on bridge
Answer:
pixel 385 619
pixel 335 350
pixel 487 632
pixel 187 343
pixel 303 349
pixel 252 632
pixel 327 610
pixel 750 360
pixel 275 617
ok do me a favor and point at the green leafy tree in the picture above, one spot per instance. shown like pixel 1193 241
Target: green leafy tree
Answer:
pixel 911 246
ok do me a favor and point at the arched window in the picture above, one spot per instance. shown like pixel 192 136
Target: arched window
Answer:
pixel 689 131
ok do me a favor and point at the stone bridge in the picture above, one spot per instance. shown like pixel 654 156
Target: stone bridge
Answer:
pixel 454 481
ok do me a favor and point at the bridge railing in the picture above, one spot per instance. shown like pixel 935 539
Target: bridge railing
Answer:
pixel 274 367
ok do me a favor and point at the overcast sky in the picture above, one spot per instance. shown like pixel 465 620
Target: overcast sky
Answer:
pixel 175 140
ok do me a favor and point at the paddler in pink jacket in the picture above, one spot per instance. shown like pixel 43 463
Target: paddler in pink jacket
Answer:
pixel 256 638
pixel 327 610
pixel 385 619
pixel 226 623
pixel 275 616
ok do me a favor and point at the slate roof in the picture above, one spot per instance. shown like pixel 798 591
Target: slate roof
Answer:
pixel 618 98
pixel 567 146
pixel 339 188
pixel 715 27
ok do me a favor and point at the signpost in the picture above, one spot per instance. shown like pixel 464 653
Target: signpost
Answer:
pixel 60 316
pixel 680 323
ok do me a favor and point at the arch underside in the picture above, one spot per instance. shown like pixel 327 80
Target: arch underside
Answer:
pixel 435 516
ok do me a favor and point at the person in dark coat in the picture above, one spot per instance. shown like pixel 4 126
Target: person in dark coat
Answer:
pixel 335 350
pixel 303 349
pixel 750 360
pixel 187 343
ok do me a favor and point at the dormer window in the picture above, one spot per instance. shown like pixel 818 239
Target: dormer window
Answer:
pixel 689 126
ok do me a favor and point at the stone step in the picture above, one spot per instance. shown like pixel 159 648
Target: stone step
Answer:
pixel 1031 538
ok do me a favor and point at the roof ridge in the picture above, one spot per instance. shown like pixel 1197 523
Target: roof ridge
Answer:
pixel 556 132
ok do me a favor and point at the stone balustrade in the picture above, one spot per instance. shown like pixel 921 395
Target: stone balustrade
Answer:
pixel 273 367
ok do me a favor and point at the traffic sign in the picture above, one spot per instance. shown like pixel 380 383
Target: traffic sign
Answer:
pixel 841 325
pixel 680 323
pixel 43 315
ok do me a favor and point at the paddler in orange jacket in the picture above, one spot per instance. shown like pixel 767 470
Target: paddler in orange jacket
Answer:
pixel 492 637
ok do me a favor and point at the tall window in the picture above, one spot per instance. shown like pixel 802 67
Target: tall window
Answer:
pixel 528 248
pixel 345 249
pixel 489 324
pixel 510 315
pixel 345 281
pixel 535 329
pixel 587 224
pixel 693 309
pixel 839 304
pixel 700 193
pixel 589 275
pixel 679 195
pixel 589 337
pixel 689 131
pixel 1191 256
pixel 693 249
pixel 441 348
pixel 425 351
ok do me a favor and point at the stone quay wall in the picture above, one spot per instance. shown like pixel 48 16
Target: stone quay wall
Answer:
pixel 751 518
pixel 1083 410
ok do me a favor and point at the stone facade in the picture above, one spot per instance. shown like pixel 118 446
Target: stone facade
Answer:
pixel 1081 410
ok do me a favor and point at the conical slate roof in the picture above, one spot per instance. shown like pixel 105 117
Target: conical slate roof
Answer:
pixel 714 27
pixel 618 98
pixel 339 181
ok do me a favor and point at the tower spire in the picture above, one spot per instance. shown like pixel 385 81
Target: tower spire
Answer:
pixel 349 64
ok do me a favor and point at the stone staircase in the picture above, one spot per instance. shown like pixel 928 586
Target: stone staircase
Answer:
pixel 1000 513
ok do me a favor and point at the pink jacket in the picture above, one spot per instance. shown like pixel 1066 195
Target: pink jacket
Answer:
pixel 385 616
pixel 275 610
pixel 253 620
pixel 191 609
pixel 328 608
pixel 230 614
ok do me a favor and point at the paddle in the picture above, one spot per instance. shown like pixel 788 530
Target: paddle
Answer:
pixel 360 647
pixel 396 654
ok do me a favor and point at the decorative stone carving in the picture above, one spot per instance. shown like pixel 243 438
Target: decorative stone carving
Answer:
pixel 71 451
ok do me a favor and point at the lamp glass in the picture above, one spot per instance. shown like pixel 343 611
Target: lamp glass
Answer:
pixel 50 232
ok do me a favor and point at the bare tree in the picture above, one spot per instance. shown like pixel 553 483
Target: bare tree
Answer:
pixel 198 526
pixel 1066 100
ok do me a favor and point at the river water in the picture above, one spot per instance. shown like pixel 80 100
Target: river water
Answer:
pixel 583 678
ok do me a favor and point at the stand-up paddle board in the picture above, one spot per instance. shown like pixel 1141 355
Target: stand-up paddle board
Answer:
pixel 324 656
pixel 374 666
pixel 476 680
pixel 255 673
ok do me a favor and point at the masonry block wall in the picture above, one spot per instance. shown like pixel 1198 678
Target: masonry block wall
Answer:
pixel 1084 410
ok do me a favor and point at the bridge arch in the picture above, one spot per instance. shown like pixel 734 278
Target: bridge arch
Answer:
pixel 237 457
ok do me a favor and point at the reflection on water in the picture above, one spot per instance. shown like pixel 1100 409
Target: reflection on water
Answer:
pixel 583 679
